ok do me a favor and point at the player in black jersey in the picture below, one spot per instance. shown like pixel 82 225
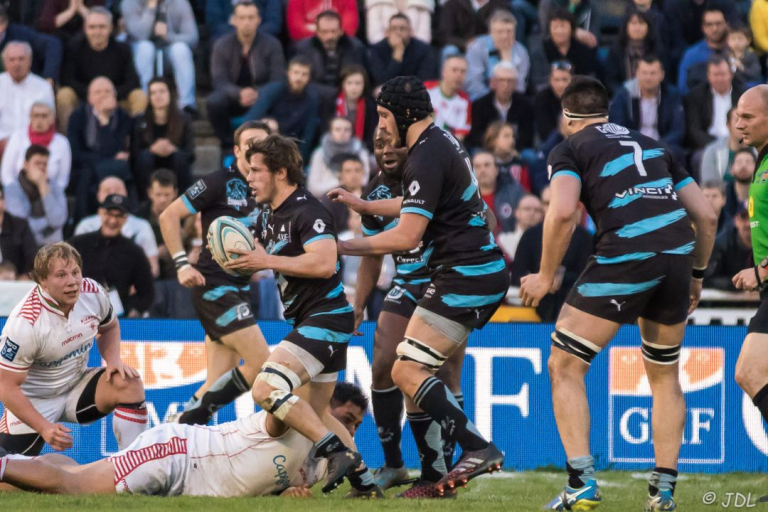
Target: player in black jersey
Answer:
pixel 441 211
pixel 297 240
pixel 643 203
pixel 221 299
pixel 409 286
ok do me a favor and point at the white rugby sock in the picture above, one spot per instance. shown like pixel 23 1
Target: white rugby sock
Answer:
pixel 128 422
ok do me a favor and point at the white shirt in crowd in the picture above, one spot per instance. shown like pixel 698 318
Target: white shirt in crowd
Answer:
pixel 649 110
pixel 452 114
pixel 134 228
pixel 722 104
pixel 59 163
pixel 16 100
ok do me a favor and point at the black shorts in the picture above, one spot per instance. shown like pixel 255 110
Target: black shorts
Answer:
pixel 223 309
pixel 402 299
pixel 325 337
pixel 656 289
pixel 467 294
pixel 759 322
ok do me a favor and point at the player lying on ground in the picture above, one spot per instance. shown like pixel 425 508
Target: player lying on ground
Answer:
pixel 408 287
pixel 655 231
pixel 251 456
pixel 44 374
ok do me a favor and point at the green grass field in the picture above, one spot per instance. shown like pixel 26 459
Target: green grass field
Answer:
pixel 518 492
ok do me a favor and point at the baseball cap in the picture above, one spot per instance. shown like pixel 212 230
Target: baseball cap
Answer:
pixel 115 202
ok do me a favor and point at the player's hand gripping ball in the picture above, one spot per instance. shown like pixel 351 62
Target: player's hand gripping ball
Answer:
pixel 226 234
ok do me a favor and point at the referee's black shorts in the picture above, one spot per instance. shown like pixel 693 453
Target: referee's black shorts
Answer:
pixel 759 322
pixel 656 289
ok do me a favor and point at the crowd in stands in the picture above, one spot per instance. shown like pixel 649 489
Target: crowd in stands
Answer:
pixel 100 101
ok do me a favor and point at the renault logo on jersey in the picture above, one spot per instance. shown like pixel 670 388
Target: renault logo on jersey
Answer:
pixel 414 188
pixel 319 226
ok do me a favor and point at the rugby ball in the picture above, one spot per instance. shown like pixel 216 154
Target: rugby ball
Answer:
pixel 224 235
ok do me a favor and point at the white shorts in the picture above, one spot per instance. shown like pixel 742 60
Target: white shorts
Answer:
pixel 54 409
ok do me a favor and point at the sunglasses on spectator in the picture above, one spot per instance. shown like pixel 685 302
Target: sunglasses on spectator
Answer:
pixel 562 65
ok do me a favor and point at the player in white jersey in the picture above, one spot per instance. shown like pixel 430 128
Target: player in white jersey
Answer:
pixel 44 378
pixel 239 458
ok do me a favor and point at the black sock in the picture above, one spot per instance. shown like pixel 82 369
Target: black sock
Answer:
pixel 449 443
pixel 224 391
pixel 328 445
pixel 428 436
pixel 387 412
pixel 761 401
pixel 662 478
pixel 434 398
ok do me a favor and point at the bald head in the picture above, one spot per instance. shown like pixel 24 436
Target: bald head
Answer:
pixel 111 185
pixel 752 117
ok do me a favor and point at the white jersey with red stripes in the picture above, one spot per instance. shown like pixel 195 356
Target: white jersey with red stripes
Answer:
pixel 452 114
pixel 238 458
pixel 52 348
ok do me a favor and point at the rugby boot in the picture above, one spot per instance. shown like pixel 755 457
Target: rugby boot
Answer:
pixel 584 498
pixel 387 477
pixel 662 501
pixel 471 464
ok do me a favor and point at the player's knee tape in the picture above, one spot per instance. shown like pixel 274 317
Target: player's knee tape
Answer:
pixel 451 329
pixel 416 351
pixel 660 354
pixel 574 345
pixel 283 380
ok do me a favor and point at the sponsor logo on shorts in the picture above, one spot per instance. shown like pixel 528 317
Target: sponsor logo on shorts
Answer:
pixel 244 311
pixel 281 475
pixel 9 350
pixel 196 189
pixel 702 373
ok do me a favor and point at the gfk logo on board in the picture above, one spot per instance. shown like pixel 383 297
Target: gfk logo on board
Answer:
pixel 702 373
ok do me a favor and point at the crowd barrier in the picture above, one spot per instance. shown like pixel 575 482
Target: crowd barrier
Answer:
pixel 507 394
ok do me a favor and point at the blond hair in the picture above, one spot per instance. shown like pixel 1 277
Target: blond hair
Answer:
pixel 47 253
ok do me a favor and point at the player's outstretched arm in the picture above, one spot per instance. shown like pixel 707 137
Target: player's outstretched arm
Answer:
pixel 382 207
pixel 14 400
pixel 705 224
pixel 406 236
pixel 170 226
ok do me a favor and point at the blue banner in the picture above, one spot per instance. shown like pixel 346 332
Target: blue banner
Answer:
pixel 507 394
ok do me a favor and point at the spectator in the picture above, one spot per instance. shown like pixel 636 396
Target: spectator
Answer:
pixel 46 50
pixel 658 23
pixel 758 20
pixel 637 39
pixel 64 18
pixel 684 19
pixel 547 102
pixel 8 272
pixel 35 198
pixel 293 102
pixel 162 191
pixel 500 142
pixel 241 63
pixel 336 145
pixel 586 20
pixel 731 254
pixel 400 53
pixel 737 191
pixel 166 26
pixel 116 262
pixel 718 154
pixel 561 44
pixel 450 103
pixel 163 138
pixel 97 54
pixel 503 103
pixel 302 14
pixel 742 58
pixel 99 133
pixel 501 197
pixel 42 132
pixel 356 103
pixel 379 12
pixel 19 90
pixel 707 106
pixel 218 16
pixel 352 176
pixel 17 243
pixel 696 57
pixel 485 52
pixel 528 259
pixel 527 214
pixel 650 105
pixel 329 51
pixel 457 26
pixel 714 192
pixel 134 228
